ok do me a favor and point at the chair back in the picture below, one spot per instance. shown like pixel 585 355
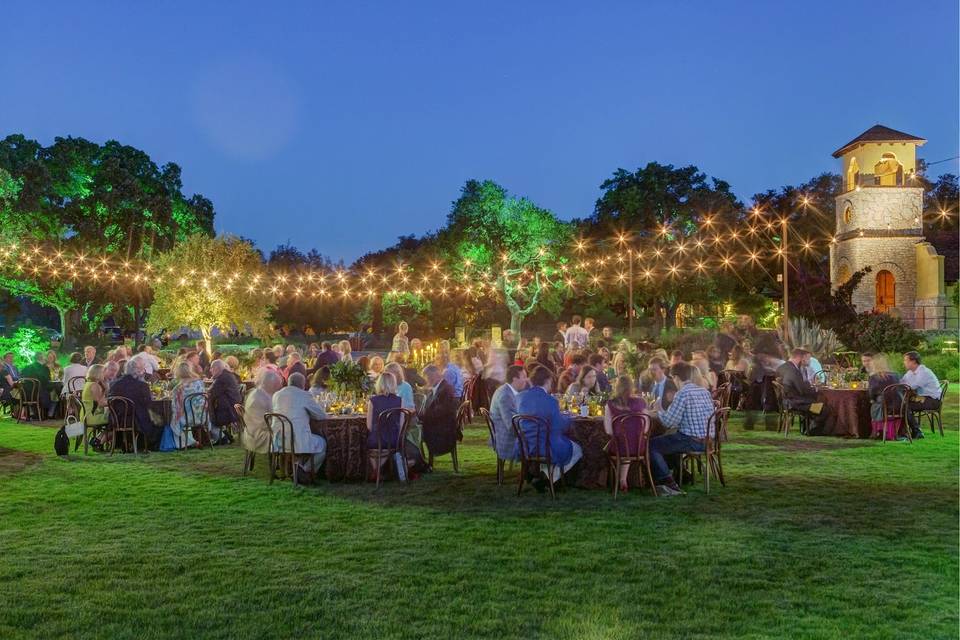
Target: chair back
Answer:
pixel 490 426
pixel 282 439
pixel 29 390
pixel 464 414
pixel 944 385
pixel 240 412
pixel 75 385
pixel 196 410
pixel 123 413
pixel 895 398
pixel 716 429
pixel 778 394
pixel 540 429
pixel 620 442
pixel 403 415
pixel 75 408
pixel 820 377
pixel 722 395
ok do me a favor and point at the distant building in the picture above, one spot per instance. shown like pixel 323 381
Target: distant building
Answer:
pixel 879 225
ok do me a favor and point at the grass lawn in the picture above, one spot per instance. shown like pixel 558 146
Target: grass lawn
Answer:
pixel 811 538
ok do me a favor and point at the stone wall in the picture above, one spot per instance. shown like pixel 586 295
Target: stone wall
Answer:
pixel 880 208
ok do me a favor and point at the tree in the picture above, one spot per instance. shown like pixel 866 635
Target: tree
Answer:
pixel 202 286
pixel 508 245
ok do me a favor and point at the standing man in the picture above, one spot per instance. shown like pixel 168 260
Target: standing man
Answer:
pixel 926 390
pixel 575 336
pixel 503 406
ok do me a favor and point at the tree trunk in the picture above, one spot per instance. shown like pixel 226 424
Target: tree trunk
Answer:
pixel 670 316
pixel 207 333
pixel 516 320
pixel 376 315
pixel 63 327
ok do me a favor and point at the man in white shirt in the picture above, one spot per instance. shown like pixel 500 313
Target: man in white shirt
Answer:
pixel 503 407
pixel 295 403
pixel 576 336
pixel 926 389
pixel 150 362
pixel 811 368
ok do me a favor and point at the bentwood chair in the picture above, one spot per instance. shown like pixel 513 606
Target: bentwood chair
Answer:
pixel 708 461
pixel 123 423
pixel 196 414
pixel 381 455
pixel 248 456
pixel 896 407
pixel 75 385
pixel 282 450
pixel 28 401
pixel 492 429
pixel 788 415
pixel 934 416
pixel 638 458
pixel 531 461
pixel 90 431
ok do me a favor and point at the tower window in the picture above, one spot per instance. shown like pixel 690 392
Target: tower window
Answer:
pixel 848 214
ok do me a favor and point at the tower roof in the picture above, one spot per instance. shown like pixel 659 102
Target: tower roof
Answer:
pixel 878 133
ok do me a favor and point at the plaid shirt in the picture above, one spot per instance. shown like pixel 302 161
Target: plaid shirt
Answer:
pixel 690 411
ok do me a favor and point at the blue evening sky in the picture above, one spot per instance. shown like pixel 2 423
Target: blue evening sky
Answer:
pixel 342 125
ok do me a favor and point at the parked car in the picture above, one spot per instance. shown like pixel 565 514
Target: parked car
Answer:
pixel 112 335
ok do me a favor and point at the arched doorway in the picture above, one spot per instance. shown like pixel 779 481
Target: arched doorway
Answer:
pixel 886 291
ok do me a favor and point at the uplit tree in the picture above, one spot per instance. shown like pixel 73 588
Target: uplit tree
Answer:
pixel 207 283
pixel 508 244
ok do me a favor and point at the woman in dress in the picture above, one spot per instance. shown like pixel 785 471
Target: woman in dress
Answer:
pixel 624 401
pixel 401 343
pixel 94 397
pixel 882 377
pixel 187 383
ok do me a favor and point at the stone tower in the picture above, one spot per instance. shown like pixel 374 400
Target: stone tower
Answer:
pixel 878 225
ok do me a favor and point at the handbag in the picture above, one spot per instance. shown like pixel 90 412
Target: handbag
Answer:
pixel 167 441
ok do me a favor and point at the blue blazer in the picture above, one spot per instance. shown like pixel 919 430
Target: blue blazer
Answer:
pixel 535 401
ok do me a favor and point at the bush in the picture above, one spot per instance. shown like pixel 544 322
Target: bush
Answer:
pixel 946 366
pixel 685 340
pixel 25 343
pixel 878 332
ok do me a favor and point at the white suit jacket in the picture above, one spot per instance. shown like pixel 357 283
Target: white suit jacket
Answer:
pixel 298 405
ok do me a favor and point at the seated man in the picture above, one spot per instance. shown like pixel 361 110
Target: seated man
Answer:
pixel 8 376
pixel 689 412
pixel 438 416
pixel 503 406
pixel 39 371
pixel 132 386
pixel 926 389
pixel 660 386
pixel 223 394
pixel 537 401
pixel 295 403
pixel 798 394
pixel 256 436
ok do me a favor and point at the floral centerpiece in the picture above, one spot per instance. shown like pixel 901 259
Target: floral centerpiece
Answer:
pixel 349 378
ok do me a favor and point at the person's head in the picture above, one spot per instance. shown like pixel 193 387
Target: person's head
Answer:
pixel 561 326
pixel 95 373
pixel 588 323
pixel 658 368
pixel 376 364
pixel 587 378
pixel 620 364
pixel 232 363
pixel 51 357
pixel 576 320
pixel 386 384
pixel 416 344
pixel 911 360
pixel 321 377
pixel 76 358
pixel 325 346
pixel 397 371
pixel 293 358
pixel 142 348
pixel 596 360
pixel 517 377
pixel 726 327
pixel 278 350
pixel 433 374
pixel 798 355
pixel 291 349
pixel 216 368
pixel 402 328
pixel 399 358
pixel 201 345
pixel 111 370
pixel 676 357
pixel 364 363
pixel 270 357
pixel 297 380
pixel 681 373
pixel 578 359
pixel 313 349
pixel 345 347
pixel 865 359
pixel 134 368
pixel 541 377
pixel 623 388
pixel 184 372
pixel 193 358
pixel 269 381
pixel 89 352
pixel 8 357
pixel 878 364
pixel 713 353
pixel 607 333
pixel 543 352
pixel 442 360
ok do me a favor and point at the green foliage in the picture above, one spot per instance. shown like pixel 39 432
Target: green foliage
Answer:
pixel 872 331
pixel 200 294
pixel 404 306
pixel 686 340
pixel 25 343
pixel 349 377
pixel 801 332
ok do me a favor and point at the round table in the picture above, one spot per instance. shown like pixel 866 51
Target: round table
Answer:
pixel 161 410
pixel 346 438
pixel 589 433
pixel 848 412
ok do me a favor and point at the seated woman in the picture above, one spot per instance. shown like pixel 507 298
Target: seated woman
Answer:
pixel 56 371
pixel 702 363
pixel 404 390
pixel 319 382
pixel 586 384
pixel 738 360
pixel 94 397
pixel 383 433
pixel 187 383
pixel 376 366
pixel 623 401
pixel 882 377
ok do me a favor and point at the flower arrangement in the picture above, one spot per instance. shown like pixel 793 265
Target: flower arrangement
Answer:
pixel 349 377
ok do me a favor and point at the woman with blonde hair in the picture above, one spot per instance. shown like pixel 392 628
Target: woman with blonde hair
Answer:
pixel 708 379
pixel 94 397
pixel 401 343
pixel 345 351
pixel 187 383
pixel 376 366
pixel 383 433
pixel 623 401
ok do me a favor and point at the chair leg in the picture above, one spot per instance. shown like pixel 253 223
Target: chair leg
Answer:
pixel 706 474
pixel 523 467
pixel 719 464
pixel 646 464
pixel 940 423
pixel 613 474
pixel 553 492
pixel 86 440
pixel 456 463
pixel 500 465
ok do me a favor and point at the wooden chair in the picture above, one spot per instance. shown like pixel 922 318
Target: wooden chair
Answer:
pixel 531 461
pixel 196 413
pixel 75 385
pixel 708 461
pixel 934 416
pixel 89 431
pixel 463 418
pixel 282 450
pixel 377 454
pixel 896 401
pixel 233 428
pixel 788 415
pixel 123 422
pixel 248 456
pixel 501 463
pixel 820 377
pixel 637 458
pixel 29 400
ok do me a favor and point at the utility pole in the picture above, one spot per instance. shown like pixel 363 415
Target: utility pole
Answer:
pixel 630 294
pixel 786 283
